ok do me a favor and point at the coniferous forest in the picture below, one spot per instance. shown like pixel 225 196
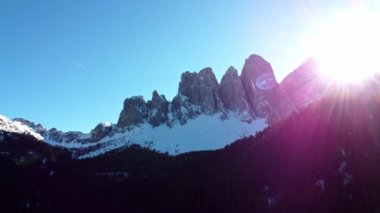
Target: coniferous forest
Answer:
pixel 324 158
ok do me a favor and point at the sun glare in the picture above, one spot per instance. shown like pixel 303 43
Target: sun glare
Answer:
pixel 348 47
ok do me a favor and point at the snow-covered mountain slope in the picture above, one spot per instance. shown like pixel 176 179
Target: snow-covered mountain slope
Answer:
pixel 9 126
pixel 206 132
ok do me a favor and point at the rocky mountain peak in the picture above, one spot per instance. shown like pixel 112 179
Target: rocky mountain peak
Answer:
pixel 207 75
pixel 231 73
pixel 134 112
pixel 101 130
pixel 232 92
pixel 36 127
pixel 201 89
pixel 157 100
pixel 255 92
pixel 259 84
pixel 158 109
pixel 256 66
pixel 19 127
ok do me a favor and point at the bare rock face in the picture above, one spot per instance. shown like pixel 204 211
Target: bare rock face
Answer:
pixel 182 109
pixel 134 112
pixel 201 89
pixel 232 92
pixel 259 84
pixel 158 109
pixel 198 93
pixel 255 93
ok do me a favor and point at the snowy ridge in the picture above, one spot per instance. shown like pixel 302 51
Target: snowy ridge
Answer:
pixel 7 125
pixel 206 132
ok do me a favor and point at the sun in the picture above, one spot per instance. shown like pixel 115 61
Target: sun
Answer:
pixel 348 46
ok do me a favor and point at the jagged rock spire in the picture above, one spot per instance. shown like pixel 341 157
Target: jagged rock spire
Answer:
pixel 232 92
pixel 256 92
pixel 259 84
pixel 134 112
pixel 158 109
pixel 201 89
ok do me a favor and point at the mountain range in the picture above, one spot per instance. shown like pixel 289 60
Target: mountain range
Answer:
pixel 203 109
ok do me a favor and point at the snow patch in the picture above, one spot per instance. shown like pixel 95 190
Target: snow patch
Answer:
pixel 183 98
pixel 106 124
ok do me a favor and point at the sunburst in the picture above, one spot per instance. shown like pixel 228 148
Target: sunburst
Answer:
pixel 348 47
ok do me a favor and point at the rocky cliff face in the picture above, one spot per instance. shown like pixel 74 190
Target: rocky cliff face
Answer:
pixel 134 112
pixel 158 109
pixel 201 89
pixel 198 93
pixel 232 92
pixel 260 85
pixel 256 92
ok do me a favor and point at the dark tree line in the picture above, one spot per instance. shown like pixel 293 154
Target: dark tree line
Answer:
pixel 324 158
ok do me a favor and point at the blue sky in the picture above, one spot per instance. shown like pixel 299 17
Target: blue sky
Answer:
pixel 70 63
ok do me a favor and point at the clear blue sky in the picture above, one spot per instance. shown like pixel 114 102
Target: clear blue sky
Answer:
pixel 70 63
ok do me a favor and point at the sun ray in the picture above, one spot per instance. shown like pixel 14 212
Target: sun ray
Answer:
pixel 348 48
